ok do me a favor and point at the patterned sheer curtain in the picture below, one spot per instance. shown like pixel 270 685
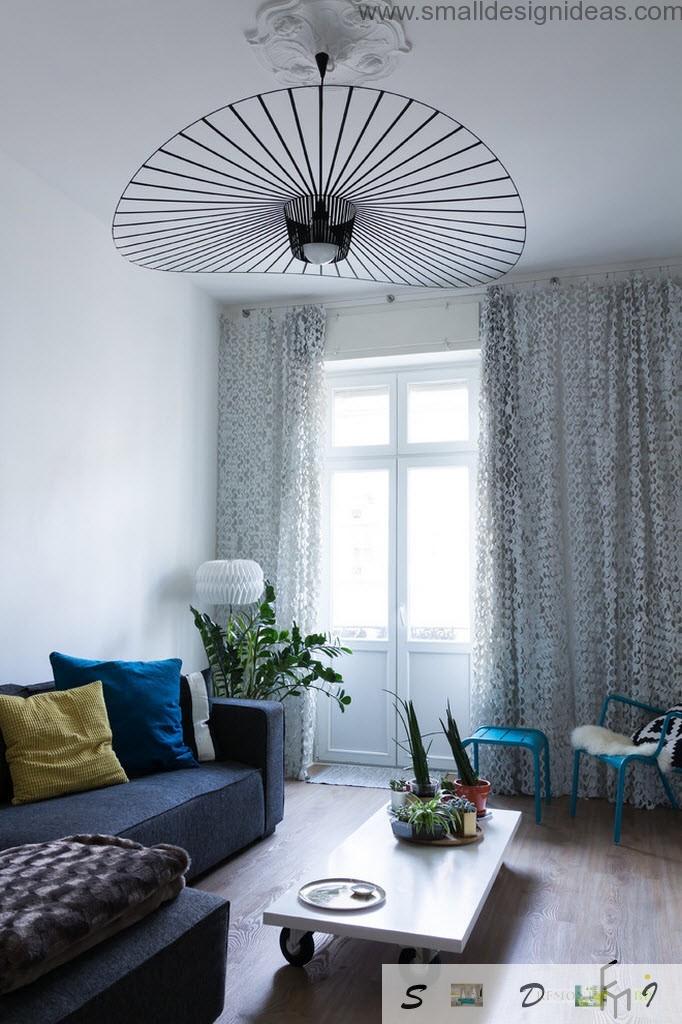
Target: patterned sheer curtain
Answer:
pixel 270 451
pixel 580 478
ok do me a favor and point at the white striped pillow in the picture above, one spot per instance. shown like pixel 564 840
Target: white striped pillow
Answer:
pixel 196 708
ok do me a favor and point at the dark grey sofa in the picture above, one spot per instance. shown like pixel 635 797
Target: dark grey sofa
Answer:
pixel 211 811
pixel 169 968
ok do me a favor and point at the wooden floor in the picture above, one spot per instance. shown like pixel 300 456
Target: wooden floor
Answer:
pixel 565 895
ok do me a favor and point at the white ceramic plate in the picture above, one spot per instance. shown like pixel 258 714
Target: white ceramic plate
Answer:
pixel 342 894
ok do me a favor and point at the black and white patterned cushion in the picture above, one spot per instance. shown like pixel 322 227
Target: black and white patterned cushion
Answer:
pixel 195 706
pixel 670 757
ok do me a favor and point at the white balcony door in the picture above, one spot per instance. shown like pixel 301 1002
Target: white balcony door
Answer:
pixel 399 537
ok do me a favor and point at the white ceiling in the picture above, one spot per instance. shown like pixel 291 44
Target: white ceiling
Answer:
pixel 586 116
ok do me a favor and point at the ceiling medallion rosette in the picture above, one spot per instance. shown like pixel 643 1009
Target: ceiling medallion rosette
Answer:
pixel 333 180
pixel 288 33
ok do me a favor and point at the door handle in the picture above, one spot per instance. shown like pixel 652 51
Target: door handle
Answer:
pixel 402 616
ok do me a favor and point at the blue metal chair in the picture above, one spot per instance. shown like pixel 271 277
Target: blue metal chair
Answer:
pixel 621 761
pixel 531 739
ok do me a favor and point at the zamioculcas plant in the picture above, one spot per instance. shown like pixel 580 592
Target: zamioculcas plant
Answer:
pixel 253 659
pixel 467 774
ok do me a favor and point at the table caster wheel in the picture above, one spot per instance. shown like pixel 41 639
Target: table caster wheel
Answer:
pixel 407 956
pixel 413 956
pixel 298 948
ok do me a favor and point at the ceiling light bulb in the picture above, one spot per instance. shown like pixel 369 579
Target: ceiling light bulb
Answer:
pixel 320 252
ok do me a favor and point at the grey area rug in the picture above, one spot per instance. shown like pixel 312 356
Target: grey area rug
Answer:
pixel 365 776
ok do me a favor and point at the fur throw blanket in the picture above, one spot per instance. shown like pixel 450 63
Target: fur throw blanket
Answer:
pixel 595 739
pixel 59 898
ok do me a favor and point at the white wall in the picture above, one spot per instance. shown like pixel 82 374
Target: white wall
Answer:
pixel 406 326
pixel 402 327
pixel 107 441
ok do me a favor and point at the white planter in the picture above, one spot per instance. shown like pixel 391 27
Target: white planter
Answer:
pixel 398 800
pixel 469 823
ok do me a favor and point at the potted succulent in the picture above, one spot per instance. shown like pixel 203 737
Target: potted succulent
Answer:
pixel 465 809
pixel 421 784
pixel 468 785
pixel 469 814
pixel 427 820
pixel 400 792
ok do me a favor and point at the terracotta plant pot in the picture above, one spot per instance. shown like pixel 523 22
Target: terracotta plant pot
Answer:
pixel 476 794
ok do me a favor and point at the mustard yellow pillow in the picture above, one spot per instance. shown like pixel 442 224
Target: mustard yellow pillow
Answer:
pixel 58 742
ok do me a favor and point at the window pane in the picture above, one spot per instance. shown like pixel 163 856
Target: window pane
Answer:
pixel 438 553
pixel 359 541
pixel 437 412
pixel 360 416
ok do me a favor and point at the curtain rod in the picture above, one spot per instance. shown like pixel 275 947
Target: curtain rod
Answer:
pixel 461 295
pixel 585 275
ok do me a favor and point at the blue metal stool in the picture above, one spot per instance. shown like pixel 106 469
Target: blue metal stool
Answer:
pixel 621 761
pixel 531 739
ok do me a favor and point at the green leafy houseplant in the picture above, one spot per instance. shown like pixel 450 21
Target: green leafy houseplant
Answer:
pixel 466 772
pixel 431 819
pixel 414 746
pixel 251 658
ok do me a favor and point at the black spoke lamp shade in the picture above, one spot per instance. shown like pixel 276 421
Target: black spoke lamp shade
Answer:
pixel 335 180
pixel 320 229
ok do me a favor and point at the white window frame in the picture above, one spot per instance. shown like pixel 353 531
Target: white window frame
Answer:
pixel 398 456
pixel 467 375
pixel 462 458
pixel 353 457
pixel 352 382
pixel 349 465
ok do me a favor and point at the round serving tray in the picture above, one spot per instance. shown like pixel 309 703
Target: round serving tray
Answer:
pixel 340 894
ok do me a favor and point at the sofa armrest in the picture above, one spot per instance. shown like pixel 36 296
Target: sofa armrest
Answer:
pixel 252 732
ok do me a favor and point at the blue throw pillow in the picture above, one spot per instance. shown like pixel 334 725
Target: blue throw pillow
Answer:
pixel 143 704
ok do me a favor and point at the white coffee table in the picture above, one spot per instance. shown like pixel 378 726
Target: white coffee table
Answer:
pixel 434 894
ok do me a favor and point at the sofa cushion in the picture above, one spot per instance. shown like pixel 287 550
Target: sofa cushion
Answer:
pixel 58 743
pixel 143 702
pixel 19 690
pixel 210 812
pixel 195 705
pixel 15 690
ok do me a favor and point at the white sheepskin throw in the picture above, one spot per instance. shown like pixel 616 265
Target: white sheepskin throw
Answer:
pixel 595 739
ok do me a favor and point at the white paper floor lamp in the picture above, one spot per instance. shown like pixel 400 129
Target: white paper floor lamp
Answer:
pixel 234 582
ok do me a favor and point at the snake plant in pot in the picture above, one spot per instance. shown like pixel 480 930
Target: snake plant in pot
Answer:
pixel 468 785
pixel 421 784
